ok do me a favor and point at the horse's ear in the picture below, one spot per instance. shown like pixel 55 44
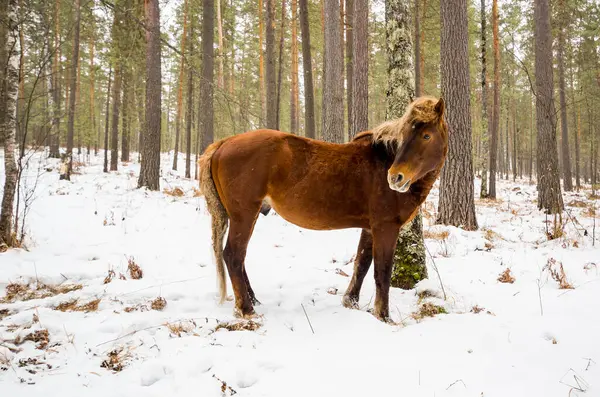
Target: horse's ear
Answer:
pixel 440 107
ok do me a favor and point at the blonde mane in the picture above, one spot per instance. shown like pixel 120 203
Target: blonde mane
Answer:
pixel 394 132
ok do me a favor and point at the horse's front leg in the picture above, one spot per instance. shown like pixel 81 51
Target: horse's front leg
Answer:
pixel 362 262
pixel 384 244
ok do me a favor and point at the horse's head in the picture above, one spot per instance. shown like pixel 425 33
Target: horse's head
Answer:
pixel 420 138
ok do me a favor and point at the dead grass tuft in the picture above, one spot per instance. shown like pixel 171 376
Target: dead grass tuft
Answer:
pixel 556 270
pixel 436 235
pixel 578 204
pixel 428 310
pixel 181 327
pixel 25 292
pixel 490 235
pixel 41 337
pixel 159 303
pixel 4 313
pixel 135 271
pixel 175 191
pixel 115 361
pixel 590 212
pixel 477 309
pixel 197 192
pixel 241 325
pixel 109 277
pixel 506 277
pixel 73 306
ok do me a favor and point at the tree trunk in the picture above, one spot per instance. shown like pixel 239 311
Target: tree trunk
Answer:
pixel 349 27
pixel 493 150
pixel 484 107
pixel 92 102
pixel 294 98
pixel 309 92
pixel 106 122
pixel 139 92
pixel 566 158
pixel 55 136
pixel 360 73
pixel 189 113
pixel 206 84
pixel 114 137
pixel 180 88
pixel 10 88
pixel 456 204
pixel 418 77
pixel 549 193
pixel 280 64
pixel 577 149
pixel 409 255
pixel 270 68
pixel 221 77
pixel 333 90
pixel 261 65
pixel 73 97
pixel 150 166
pixel 126 113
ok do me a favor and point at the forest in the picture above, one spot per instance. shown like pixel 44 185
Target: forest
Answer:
pixel 107 106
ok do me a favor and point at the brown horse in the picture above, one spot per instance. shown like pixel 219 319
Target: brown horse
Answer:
pixel 376 182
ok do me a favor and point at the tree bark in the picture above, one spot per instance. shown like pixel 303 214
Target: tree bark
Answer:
pixel 566 158
pixel 418 77
pixel 116 105
pixel 106 122
pixel 150 166
pixel 10 88
pixel 56 90
pixel 221 77
pixel 189 112
pixel 294 98
pixel 206 84
pixel 126 113
pixel 360 73
pixel 270 68
pixel 333 90
pixel 456 204
pixel 484 107
pixel 309 92
pixel 179 111
pixel 409 255
pixel 496 106
pixel 261 65
pixel 549 193
pixel 92 89
pixel 73 97
pixel 349 27
pixel 280 64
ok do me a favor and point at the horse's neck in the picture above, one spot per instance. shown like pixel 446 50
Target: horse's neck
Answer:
pixel 420 189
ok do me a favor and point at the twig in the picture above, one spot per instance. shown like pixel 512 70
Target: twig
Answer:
pixel 539 284
pixel 308 319
pixel 436 270
pixel 455 382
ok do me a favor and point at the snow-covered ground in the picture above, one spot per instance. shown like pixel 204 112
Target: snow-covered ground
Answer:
pixel 79 230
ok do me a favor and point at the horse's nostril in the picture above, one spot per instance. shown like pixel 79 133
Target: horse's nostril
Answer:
pixel 399 178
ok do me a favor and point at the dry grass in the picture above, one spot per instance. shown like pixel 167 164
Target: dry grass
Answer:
pixel 175 191
pixel 159 303
pixel 506 277
pixel 41 337
pixel 109 277
pixel 241 325
pixel 4 313
pixel 116 360
pixel 181 327
pixel 436 235
pixel 197 192
pixel 490 235
pixel 578 204
pixel 25 292
pixel 477 309
pixel 74 306
pixel 135 271
pixel 428 310
pixel 556 270
pixel 590 212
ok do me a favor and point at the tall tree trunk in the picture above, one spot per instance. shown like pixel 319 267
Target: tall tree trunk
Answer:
pixel 294 98
pixel 549 193
pixel 126 113
pixel 456 204
pixel 333 90
pixel 77 96
pixel 189 113
pixel 409 255
pixel 418 77
pixel 531 128
pixel 566 158
pixel 280 64
pixel 150 167
pixel 21 138
pixel 221 77
pixel 206 84
pixel 309 92
pixel 577 149
pixel 179 112
pixel 261 65
pixel 493 150
pixel 270 68
pixel 349 27
pixel 73 97
pixel 92 89
pixel 55 135
pixel 114 137
pixel 484 107
pixel 139 92
pixel 106 122
pixel 360 73
pixel 10 88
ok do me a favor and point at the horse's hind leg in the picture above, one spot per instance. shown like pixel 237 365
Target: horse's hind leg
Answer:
pixel 362 262
pixel 255 301
pixel 240 230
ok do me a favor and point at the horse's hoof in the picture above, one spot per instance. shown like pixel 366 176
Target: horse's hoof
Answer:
pixel 383 317
pixel 246 316
pixel 350 302
pixel 255 302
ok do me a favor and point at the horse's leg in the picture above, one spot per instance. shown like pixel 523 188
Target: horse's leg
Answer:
pixel 240 231
pixel 255 301
pixel 384 243
pixel 362 262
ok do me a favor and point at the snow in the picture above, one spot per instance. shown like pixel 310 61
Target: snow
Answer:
pixel 79 230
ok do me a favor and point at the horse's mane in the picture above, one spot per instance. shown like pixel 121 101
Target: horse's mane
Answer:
pixel 392 133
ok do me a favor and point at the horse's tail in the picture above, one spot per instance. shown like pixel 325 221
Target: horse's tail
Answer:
pixel 217 212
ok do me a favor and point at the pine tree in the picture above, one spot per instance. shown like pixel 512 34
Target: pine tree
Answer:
pixel 333 90
pixel 309 92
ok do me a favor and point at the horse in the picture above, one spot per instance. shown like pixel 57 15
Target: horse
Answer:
pixel 376 182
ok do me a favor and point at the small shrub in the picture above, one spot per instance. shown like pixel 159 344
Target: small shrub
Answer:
pixel 556 270
pixel 135 271
pixel 506 277
pixel 159 303
pixel 115 360
pixel 109 277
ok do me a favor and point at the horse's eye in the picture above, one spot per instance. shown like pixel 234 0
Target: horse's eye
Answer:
pixel 426 137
